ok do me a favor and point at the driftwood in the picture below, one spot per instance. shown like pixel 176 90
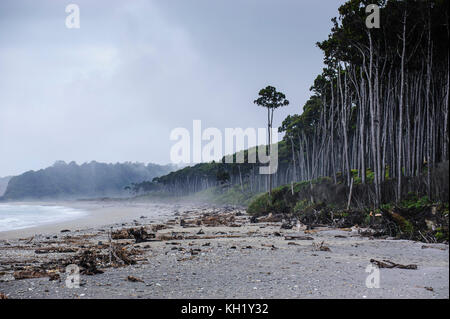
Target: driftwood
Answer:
pixel 320 247
pixel 389 264
pixel 435 247
pixel 297 237
pixel 50 250
pixel 134 279
pixel 28 274
pixel 88 261
pixel 139 234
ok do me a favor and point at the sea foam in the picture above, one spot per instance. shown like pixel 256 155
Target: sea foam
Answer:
pixel 14 217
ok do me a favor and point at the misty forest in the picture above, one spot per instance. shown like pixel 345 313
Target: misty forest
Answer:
pixel 373 135
pixel 378 114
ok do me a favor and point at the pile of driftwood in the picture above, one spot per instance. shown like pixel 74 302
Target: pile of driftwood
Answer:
pixel 138 234
pixel 91 260
pixel 320 247
pixel 36 272
pixel 212 220
pixel 389 264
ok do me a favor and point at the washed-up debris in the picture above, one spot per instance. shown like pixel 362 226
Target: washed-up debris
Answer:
pixel 156 227
pixel 138 234
pixel 195 251
pixel 286 226
pixel 121 234
pixel 297 237
pixel 172 236
pixel 320 247
pixel 293 243
pixel 186 258
pixel 271 218
pixel 28 274
pixel 3 296
pixel 65 231
pixel 26 240
pixel 270 246
pixel 53 276
pixel 429 288
pixel 50 250
pixel 89 261
pixel 435 247
pixel 173 243
pixel 340 236
pixel 200 232
pixel 182 236
pixel 213 221
pixel 368 232
pixel 389 264
pixel 122 255
pixel 134 279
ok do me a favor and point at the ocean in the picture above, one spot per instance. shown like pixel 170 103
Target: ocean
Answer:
pixel 14 217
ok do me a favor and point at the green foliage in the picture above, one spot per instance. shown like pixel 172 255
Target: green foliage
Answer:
pixel 387 207
pixel 270 98
pixel 301 205
pixel 260 205
pixel 440 235
pixel 221 195
pixel 412 201
pixel 283 201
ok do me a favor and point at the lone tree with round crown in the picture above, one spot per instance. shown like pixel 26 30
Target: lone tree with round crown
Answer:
pixel 271 99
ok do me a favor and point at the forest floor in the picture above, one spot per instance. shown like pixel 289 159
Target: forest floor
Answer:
pixel 206 252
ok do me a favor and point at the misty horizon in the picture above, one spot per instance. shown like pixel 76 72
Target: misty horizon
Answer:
pixel 112 90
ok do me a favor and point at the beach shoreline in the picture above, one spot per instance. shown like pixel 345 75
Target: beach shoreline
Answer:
pixel 98 214
pixel 200 251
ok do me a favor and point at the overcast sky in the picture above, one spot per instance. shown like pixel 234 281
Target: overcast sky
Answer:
pixel 113 90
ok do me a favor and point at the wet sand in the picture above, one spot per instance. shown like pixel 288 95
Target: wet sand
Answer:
pixel 99 213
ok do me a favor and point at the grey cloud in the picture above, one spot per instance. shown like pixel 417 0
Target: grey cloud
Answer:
pixel 114 89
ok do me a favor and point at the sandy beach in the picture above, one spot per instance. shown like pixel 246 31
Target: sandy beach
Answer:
pixel 199 251
pixel 99 213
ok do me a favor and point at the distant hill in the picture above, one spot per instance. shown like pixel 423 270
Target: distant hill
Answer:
pixel 71 181
pixel 3 184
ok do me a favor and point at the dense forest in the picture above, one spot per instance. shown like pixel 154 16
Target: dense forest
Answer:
pixel 378 114
pixel 381 104
pixel 69 181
